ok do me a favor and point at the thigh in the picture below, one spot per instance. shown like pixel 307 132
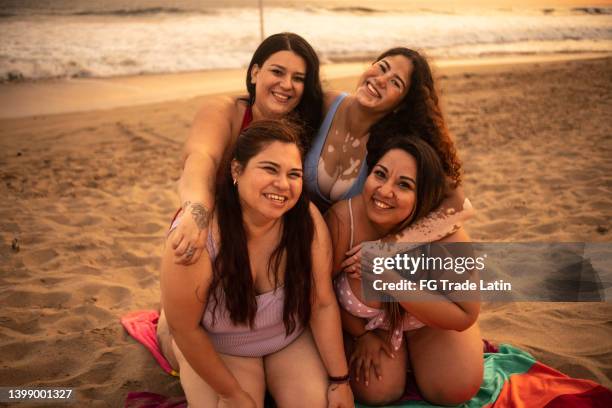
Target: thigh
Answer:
pixel 447 364
pixel 296 376
pixel 249 371
pixel 164 339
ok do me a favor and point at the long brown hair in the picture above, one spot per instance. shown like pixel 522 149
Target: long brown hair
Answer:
pixel 231 268
pixel 310 108
pixel 430 188
pixel 419 110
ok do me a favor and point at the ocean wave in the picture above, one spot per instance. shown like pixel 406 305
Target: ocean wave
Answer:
pixel 138 12
pixel 593 10
pixel 356 10
pixel 116 45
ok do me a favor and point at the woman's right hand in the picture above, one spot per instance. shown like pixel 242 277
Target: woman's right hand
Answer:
pixel 188 240
pixel 237 400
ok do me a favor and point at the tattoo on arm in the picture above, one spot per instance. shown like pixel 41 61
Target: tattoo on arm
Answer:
pixel 201 215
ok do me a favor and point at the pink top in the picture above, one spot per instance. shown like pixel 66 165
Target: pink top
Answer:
pixel 267 335
pixel 377 318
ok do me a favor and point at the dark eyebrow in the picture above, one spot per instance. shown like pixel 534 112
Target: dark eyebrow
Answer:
pixel 409 179
pixel 277 166
pixel 273 164
pixel 383 167
pixel 284 69
pixel 395 76
pixel 401 80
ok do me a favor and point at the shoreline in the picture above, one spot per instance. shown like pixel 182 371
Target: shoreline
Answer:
pixel 59 96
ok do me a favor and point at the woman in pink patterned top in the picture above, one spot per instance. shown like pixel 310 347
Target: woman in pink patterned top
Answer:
pixel 258 309
pixel 439 339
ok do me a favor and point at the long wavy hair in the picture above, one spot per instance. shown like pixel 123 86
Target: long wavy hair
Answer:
pixel 231 267
pixel 310 108
pixel 419 110
pixel 430 190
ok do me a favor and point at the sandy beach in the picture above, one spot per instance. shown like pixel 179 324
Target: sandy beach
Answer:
pixel 88 196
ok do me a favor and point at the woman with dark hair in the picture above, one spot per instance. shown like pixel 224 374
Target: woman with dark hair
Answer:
pixel 406 181
pixel 395 93
pixel 236 321
pixel 282 79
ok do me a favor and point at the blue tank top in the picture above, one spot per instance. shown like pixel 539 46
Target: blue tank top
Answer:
pixel 311 163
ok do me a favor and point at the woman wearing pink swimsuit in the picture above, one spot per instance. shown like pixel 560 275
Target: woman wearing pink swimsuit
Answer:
pixel 260 298
pixel 440 340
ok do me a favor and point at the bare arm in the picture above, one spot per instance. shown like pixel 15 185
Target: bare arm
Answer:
pixel 184 290
pixel 325 318
pixel 443 313
pixel 338 224
pixel 443 221
pixel 211 137
pixel 325 322
pixel 440 223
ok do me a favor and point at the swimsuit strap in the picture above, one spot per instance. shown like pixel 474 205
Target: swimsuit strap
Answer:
pixel 352 223
pixel 247 118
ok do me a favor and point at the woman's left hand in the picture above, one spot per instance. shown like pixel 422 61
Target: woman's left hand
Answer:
pixel 366 355
pixel 340 396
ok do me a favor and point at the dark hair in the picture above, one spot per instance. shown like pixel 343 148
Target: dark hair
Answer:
pixel 419 110
pixel 431 181
pixel 310 108
pixel 231 269
pixel 430 188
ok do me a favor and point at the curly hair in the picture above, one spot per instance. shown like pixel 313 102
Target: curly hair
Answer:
pixel 420 111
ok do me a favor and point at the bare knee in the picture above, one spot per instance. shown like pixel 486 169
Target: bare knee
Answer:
pixel 378 392
pixel 451 393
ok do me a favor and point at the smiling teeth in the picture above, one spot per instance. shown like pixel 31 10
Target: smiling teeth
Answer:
pixel 275 197
pixel 279 96
pixel 372 89
pixel 382 205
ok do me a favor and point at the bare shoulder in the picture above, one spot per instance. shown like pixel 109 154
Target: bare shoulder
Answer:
pixel 338 213
pixel 227 108
pixel 338 222
pixel 216 125
pixel 321 231
pixel 328 98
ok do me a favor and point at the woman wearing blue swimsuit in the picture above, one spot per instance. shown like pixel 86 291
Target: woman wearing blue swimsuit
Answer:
pixel 394 94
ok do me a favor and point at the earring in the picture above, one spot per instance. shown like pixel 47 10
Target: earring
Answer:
pixel 235 182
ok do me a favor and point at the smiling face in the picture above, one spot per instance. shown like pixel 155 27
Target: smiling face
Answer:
pixel 390 190
pixel 385 83
pixel 279 84
pixel 271 183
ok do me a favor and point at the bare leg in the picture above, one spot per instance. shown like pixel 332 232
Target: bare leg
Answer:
pixel 296 376
pixel 248 371
pixel 165 340
pixel 447 364
pixel 391 386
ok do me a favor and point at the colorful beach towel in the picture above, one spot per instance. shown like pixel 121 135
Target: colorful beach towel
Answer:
pixel 512 378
